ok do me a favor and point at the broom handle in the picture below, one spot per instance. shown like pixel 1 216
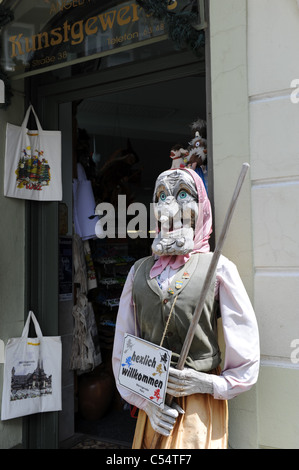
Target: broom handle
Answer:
pixel 206 286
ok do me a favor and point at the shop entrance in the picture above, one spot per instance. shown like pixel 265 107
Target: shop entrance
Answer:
pixel 122 142
pixel 142 110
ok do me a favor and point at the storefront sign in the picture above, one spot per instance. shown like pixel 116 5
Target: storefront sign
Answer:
pixel 144 369
pixel 58 32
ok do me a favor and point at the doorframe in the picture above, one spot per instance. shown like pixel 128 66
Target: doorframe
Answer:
pixel 42 232
pixel 40 431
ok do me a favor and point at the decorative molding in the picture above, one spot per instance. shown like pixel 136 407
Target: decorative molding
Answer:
pixel 274 182
pixel 274 271
pixel 181 26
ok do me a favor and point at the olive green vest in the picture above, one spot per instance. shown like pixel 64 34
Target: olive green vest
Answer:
pixel 153 306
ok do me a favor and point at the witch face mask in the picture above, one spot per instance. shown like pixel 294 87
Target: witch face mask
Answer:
pixel 176 211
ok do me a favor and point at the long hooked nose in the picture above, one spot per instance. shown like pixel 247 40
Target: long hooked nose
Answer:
pixel 169 209
pixel 169 199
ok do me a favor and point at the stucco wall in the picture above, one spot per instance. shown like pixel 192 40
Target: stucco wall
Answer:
pixel 273 36
pixel 12 278
pixel 230 120
pixel 253 54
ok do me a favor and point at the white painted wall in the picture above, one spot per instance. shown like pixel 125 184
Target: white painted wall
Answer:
pixel 230 120
pixel 273 36
pixel 253 62
pixel 12 263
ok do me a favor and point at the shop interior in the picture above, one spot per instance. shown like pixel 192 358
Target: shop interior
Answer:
pixel 122 142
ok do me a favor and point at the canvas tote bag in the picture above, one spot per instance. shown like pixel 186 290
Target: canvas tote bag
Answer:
pixel 32 162
pixel 32 374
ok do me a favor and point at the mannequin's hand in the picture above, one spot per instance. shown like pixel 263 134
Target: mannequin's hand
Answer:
pixel 188 381
pixel 163 420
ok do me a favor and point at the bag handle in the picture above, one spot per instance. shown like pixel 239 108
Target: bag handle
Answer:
pixel 26 118
pixel 38 331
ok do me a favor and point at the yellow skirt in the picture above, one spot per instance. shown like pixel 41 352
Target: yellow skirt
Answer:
pixel 203 426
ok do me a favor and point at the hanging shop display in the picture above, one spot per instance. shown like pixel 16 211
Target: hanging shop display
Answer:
pixel 32 373
pixel 84 205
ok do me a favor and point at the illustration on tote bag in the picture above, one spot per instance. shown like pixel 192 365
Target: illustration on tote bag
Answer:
pixel 26 383
pixel 32 162
pixel 33 170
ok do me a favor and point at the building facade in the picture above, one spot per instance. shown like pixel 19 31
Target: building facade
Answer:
pixel 245 82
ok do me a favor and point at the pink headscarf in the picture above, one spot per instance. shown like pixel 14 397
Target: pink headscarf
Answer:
pixel 203 230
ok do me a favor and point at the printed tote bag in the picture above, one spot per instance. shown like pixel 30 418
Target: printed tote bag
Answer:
pixel 32 162
pixel 32 374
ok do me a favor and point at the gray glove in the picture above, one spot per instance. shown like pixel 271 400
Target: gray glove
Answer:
pixel 188 381
pixel 163 420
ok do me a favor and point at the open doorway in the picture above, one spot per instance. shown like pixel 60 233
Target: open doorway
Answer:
pixel 122 142
pixel 151 119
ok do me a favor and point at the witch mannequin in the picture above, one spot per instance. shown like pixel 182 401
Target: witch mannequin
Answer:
pixel 158 300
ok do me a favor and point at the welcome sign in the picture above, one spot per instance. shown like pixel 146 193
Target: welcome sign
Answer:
pixel 144 369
